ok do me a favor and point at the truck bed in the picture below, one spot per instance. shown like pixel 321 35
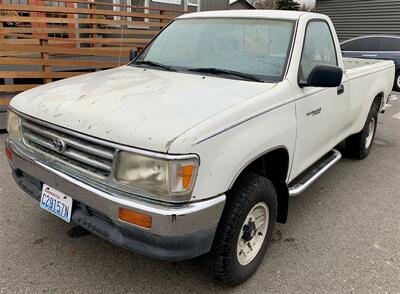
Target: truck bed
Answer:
pixel 353 63
pixel 363 73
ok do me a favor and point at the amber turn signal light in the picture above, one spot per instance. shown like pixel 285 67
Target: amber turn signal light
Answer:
pixel 8 153
pixel 132 217
pixel 186 174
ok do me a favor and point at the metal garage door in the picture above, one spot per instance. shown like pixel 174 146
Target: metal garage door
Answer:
pixel 353 18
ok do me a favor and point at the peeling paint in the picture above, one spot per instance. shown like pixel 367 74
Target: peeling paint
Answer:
pixel 147 109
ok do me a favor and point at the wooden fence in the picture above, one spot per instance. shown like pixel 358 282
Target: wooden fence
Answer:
pixel 54 39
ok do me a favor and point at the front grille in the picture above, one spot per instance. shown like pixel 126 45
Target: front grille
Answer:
pixel 77 153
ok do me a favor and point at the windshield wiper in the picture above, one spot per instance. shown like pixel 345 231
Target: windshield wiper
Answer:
pixel 218 71
pixel 156 64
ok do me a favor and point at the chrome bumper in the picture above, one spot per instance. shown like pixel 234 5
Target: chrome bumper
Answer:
pixel 183 222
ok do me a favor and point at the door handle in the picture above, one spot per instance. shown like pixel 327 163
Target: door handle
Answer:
pixel 340 90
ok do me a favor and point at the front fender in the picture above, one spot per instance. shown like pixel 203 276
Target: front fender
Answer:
pixel 224 154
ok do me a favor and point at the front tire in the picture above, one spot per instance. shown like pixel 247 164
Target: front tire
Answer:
pixel 359 145
pixel 245 229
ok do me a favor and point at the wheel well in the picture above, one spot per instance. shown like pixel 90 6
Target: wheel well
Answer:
pixel 379 99
pixel 396 73
pixel 274 165
pixel 395 76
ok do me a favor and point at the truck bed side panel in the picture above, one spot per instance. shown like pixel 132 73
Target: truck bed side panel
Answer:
pixel 367 79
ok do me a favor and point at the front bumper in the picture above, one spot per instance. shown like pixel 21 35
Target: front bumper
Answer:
pixel 178 232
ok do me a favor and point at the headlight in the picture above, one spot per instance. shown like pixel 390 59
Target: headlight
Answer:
pixel 170 179
pixel 13 125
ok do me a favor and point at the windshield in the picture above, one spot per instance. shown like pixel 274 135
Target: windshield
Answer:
pixel 256 47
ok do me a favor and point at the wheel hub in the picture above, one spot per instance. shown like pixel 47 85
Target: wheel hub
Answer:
pixel 398 81
pixel 252 234
pixel 371 132
pixel 249 231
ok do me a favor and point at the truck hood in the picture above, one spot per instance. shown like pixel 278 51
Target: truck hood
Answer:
pixel 133 106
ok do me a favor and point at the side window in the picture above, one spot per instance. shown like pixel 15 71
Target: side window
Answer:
pixel 389 44
pixel 364 44
pixel 318 48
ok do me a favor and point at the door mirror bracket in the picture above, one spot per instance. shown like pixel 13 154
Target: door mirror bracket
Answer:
pixel 133 54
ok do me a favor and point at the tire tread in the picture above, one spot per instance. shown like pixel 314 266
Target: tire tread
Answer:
pixel 247 187
pixel 355 144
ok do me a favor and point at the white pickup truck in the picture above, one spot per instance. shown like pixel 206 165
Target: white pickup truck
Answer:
pixel 198 143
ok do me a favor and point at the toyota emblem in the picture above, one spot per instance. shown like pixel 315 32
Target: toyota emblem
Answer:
pixel 59 145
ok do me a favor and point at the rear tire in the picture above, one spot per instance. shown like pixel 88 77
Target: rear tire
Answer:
pixel 359 145
pixel 245 229
pixel 397 82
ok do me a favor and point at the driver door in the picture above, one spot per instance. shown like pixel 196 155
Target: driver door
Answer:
pixel 320 111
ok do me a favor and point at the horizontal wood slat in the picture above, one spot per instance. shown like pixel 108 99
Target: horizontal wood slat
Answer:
pixel 70 51
pixel 5 31
pixel 178 11
pixel 27 41
pixel 31 19
pixel 51 40
pixel 5 100
pixel 57 62
pixel 39 75
pixel 60 9
pixel 16 88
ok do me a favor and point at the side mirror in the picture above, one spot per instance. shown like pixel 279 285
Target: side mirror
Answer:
pixel 133 54
pixel 326 76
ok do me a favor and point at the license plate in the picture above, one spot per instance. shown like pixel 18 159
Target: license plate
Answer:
pixel 56 203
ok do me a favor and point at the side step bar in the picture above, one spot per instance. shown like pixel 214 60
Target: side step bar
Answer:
pixel 313 173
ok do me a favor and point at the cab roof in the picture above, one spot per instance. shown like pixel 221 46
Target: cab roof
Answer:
pixel 259 13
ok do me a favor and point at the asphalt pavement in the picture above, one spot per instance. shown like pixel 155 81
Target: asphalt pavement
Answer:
pixel 342 236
